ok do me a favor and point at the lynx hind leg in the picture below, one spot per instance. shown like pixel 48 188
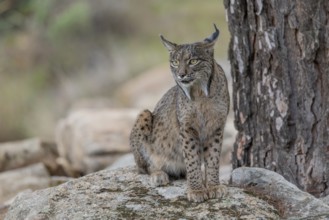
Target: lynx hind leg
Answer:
pixel 138 137
pixel 212 151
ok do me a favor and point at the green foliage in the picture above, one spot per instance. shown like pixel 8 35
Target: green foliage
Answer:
pixel 41 9
pixel 13 21
pixel 12 14
pixel 73 21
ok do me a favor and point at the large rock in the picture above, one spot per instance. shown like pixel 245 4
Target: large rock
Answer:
pixel 294 203
pixel 92 139
pixel 26 152
pixel 124 194
pixel 31 177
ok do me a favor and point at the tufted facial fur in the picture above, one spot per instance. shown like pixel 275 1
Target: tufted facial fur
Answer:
pixel 186 127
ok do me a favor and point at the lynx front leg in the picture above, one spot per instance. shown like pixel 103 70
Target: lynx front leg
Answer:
pixel 196 191
pixel 212 151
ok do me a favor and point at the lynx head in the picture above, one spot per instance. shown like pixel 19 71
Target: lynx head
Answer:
pixel 192 64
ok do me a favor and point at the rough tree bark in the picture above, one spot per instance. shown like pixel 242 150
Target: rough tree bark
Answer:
pixel 279 55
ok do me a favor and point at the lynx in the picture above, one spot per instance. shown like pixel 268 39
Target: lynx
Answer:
pixel 186 127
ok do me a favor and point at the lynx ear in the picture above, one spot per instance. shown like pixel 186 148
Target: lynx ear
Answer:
pixel 169 45
pixel 210 41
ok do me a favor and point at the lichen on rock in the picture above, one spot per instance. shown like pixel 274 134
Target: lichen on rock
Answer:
pixel 125 194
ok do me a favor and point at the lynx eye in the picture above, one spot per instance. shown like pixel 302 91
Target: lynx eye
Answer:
pixel 175 63
pixel 193 61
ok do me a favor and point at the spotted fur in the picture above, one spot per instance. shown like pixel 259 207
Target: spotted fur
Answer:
pixel 186 127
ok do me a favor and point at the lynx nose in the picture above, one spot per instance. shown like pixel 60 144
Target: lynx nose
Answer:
pixel 181 75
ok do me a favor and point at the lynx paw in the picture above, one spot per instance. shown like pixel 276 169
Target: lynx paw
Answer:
pixel 197 195
pixel 217 192
pixel 159 178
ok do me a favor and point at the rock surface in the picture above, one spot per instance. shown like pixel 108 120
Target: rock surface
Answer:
pixel 294 202
pixel 31 177
pixel 123 161
pixel 92 139
pixel 26 152
pixel 124 194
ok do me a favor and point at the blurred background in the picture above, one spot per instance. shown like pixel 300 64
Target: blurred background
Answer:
pixel 56 55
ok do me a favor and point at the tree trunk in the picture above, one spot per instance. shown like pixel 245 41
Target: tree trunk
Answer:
pixel 279 55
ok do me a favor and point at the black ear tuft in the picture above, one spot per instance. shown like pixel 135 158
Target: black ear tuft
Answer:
pixel 212 37
pixel 210 41
pixel 169 45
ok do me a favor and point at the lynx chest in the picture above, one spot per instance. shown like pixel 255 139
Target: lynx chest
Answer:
pixel 204 115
